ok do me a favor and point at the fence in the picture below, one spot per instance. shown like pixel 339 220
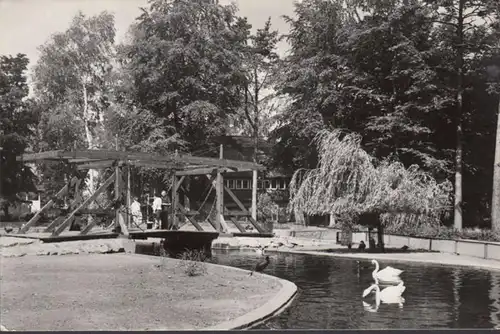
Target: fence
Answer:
pixel 480 249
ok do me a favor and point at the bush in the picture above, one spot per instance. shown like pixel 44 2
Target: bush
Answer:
pixel 266 208
pixel 442 232
pixel 192 262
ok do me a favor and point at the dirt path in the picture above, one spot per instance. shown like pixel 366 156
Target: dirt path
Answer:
pixel 123 292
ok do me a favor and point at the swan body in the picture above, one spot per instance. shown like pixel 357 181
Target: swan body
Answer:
pixel 386 275
pixel 261 250
pixel 389 295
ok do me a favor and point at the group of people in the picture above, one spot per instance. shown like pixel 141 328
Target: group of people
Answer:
pixel 158 211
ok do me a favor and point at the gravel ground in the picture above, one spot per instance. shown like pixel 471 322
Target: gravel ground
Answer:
pixel 123 292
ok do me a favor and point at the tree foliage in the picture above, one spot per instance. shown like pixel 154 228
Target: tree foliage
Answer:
pixel 16 128
pixel 349 182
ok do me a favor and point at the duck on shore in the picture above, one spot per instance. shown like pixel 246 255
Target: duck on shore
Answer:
pixel 259 267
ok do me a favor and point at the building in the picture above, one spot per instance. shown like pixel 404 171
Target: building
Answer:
pixel 271 182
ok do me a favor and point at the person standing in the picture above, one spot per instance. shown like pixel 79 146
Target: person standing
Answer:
pixel 135 212
pixel 157 208
pixel 165 204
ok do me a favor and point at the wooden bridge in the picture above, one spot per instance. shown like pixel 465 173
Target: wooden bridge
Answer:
pixel 117 171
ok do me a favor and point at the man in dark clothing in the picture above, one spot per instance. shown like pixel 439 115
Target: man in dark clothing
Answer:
pixel 165 210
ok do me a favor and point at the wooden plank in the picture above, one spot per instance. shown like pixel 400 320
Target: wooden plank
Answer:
pixel 147 157
pixel 237 213
pixel 95 165
pixel 212 223
pixel 238 225
pixel 179 183
pixel 235 199
pixel 210 170
pixel 157 165
pixel 54 223
pixel 47 206
pixel 190 213
pixel 47 155
pixel 174 200
pixel 257 226
pixel 123 226
pixel 254 194
pixel 190 219
pixel 66 222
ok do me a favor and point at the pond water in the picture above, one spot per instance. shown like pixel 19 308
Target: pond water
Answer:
pixel 330 294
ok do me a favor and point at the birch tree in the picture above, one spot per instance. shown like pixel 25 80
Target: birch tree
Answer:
pixel 71 80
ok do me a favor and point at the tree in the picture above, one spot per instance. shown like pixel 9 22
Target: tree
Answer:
pixel 71 83
pixel 16 126
pixel 466 40
pixel 262 64
pixel 349 182
pixel 186 62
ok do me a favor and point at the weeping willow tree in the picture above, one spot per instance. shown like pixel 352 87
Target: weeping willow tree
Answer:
pixel 348 182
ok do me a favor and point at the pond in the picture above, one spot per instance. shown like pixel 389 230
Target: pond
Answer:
pixel 330 294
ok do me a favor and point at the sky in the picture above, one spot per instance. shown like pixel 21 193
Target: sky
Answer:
pixel 26 24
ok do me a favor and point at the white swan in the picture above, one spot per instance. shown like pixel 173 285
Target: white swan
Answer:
pixel 389 295
pixel 386 275
pixel 260 250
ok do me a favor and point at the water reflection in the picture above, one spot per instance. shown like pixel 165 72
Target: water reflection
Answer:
pixel 330 294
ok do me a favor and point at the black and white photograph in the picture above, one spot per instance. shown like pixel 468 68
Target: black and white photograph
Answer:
pixel 229 165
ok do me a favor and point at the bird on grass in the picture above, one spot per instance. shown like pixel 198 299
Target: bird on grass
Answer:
pixel 261 266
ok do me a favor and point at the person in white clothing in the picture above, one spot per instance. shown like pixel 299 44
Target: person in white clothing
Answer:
pixel 157 210
pixel 135 211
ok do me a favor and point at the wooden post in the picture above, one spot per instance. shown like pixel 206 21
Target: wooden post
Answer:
pixel 174 200
pixel 117 185
pixel 219 194
pixel 128 217
pixel 254 194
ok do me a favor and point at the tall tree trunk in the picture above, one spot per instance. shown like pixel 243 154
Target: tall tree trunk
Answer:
pixel 495 200
pixel 256 117
pixel 459 149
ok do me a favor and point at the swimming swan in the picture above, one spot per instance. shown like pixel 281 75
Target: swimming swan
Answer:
pixel 389 295
pixel 386 275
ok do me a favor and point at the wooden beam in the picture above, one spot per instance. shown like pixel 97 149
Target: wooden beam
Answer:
pixel 47 206
pixel 143 157
pixel 212 223
pixel 191 220
pixel 238 225
pixel 210 170
pixel 47 155
pixel 128 199
pixel 158 164
pixel 123 226
pixel 242 207
pixel 235 199
pixel 237 213
pixel 66 222
pixel 179 183
pixel 219 190
pixel 174 200
pixel 254 194
pixel 95 164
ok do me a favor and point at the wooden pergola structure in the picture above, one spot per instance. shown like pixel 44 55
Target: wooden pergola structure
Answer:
pixel 182 166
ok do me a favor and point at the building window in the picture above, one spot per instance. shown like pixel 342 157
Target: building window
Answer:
pixel 283 184
pixel 266 184
pixel 274 184
pixel 238 184
pixel 230 184
pixel 246 184
pixel 259 184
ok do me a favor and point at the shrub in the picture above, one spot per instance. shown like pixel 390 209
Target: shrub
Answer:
pixel 442 232
pixel 192 262
pixel 266 208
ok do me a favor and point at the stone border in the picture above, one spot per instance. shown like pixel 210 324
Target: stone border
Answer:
pixel 462 261
pixel 259 315
pixel 267 311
